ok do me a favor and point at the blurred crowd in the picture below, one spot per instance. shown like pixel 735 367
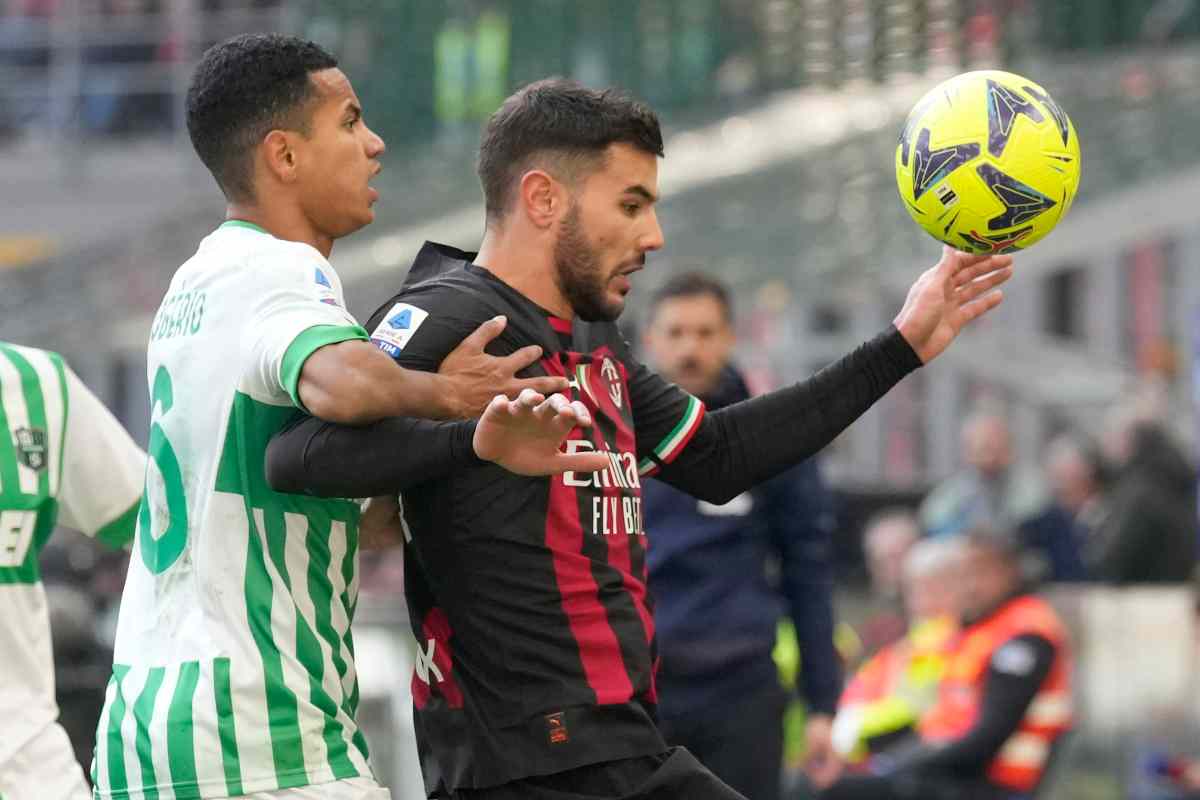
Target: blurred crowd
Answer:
pixel 99 67
pixel 1119 509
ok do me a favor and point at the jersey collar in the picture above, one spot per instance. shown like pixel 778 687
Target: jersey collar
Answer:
pixel 241 223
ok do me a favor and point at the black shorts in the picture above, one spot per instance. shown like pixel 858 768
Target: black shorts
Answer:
pixel 671 775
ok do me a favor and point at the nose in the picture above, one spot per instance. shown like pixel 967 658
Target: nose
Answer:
pixel 653 238
pixel 375 145
pixel 690 346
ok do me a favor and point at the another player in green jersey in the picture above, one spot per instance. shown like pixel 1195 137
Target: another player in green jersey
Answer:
pixel 64 460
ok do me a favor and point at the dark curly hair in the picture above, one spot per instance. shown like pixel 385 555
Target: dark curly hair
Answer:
pixel 562 121
pixel 244 88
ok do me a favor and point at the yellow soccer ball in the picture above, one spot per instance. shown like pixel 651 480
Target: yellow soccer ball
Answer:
pixel 988 162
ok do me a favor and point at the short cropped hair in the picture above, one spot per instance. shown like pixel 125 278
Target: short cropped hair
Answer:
pixel 242 89
pixel 565 123
pixel 693 284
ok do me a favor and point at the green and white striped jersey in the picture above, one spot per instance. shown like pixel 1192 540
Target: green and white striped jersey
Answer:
pixel 63 459
pixel 234 665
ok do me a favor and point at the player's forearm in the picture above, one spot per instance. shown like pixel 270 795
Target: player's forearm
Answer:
pixel 744 444
pixel 386 457
pixel 355 384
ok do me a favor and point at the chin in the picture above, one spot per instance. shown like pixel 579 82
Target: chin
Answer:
pixel 357 222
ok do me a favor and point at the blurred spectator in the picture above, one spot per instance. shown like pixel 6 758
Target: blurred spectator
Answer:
pixel 710 567
pixel 892 691
pixel 887 538
pixel 988 491
pixel 1003 703
pixel 24 51
pixel 111 102
pixel 1149 534
pixel 1066 534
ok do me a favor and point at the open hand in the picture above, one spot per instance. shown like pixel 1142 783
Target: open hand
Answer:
pixel 955 291
pixel 524 435
pixel 476 377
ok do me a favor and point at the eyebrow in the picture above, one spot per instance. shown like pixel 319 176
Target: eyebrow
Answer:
pixel 638 189
pixel 354 108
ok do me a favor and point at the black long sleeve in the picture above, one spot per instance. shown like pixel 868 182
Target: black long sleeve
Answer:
pixel 744 444
pixel 1017 672
pixel 386 457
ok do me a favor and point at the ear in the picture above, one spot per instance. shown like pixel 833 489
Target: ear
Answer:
pixel 279 155
pixel 543 199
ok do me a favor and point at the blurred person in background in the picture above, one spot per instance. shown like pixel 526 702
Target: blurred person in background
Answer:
pixel 1076 474
pixel 887 539
pixel 64 459
pixel 890 693
pixel 988 490
pixel 1004 701
pixel 110 100
pixel 1149 532
pixel 723 575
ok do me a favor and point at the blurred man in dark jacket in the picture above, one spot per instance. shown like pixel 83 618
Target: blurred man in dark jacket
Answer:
pixel 1149 534
pixel 723 576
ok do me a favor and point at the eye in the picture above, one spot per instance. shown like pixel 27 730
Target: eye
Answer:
pixel 631 208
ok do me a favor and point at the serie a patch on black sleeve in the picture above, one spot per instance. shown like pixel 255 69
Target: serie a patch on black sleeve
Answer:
pixel 1017 658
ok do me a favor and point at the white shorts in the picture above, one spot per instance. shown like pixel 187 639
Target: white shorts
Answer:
pixel 45 768
pixel 353 789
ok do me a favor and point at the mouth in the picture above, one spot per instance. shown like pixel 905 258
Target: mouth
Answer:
pixel 371 190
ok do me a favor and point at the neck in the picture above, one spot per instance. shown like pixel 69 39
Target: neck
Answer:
pixel 282 223
pixel 524 266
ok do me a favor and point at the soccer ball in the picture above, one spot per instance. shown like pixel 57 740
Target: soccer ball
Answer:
pixel 988 162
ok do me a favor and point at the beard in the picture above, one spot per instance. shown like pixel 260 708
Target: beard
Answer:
pixel 578 273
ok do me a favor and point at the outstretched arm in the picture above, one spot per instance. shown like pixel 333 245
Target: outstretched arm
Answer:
pixel 742 445
pixel 397 454
pixel 355 382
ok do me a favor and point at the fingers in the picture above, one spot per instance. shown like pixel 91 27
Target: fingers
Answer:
pixel 951 261
pixel 527 401
pixel 983 285
pixel 545 385
pixel 522 358
pixel 498 405
pixel 485 333
pixel 566 414
pixel 977 308
pixel 982 266
pixel 954 262
pixel 572 415
pixel 581 462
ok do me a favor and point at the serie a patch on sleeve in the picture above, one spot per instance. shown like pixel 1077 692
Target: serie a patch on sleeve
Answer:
pixel 325 290
pixel 1015 658
pixel 397 328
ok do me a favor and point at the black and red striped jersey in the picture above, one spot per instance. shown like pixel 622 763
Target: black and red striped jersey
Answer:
pixel 528 595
